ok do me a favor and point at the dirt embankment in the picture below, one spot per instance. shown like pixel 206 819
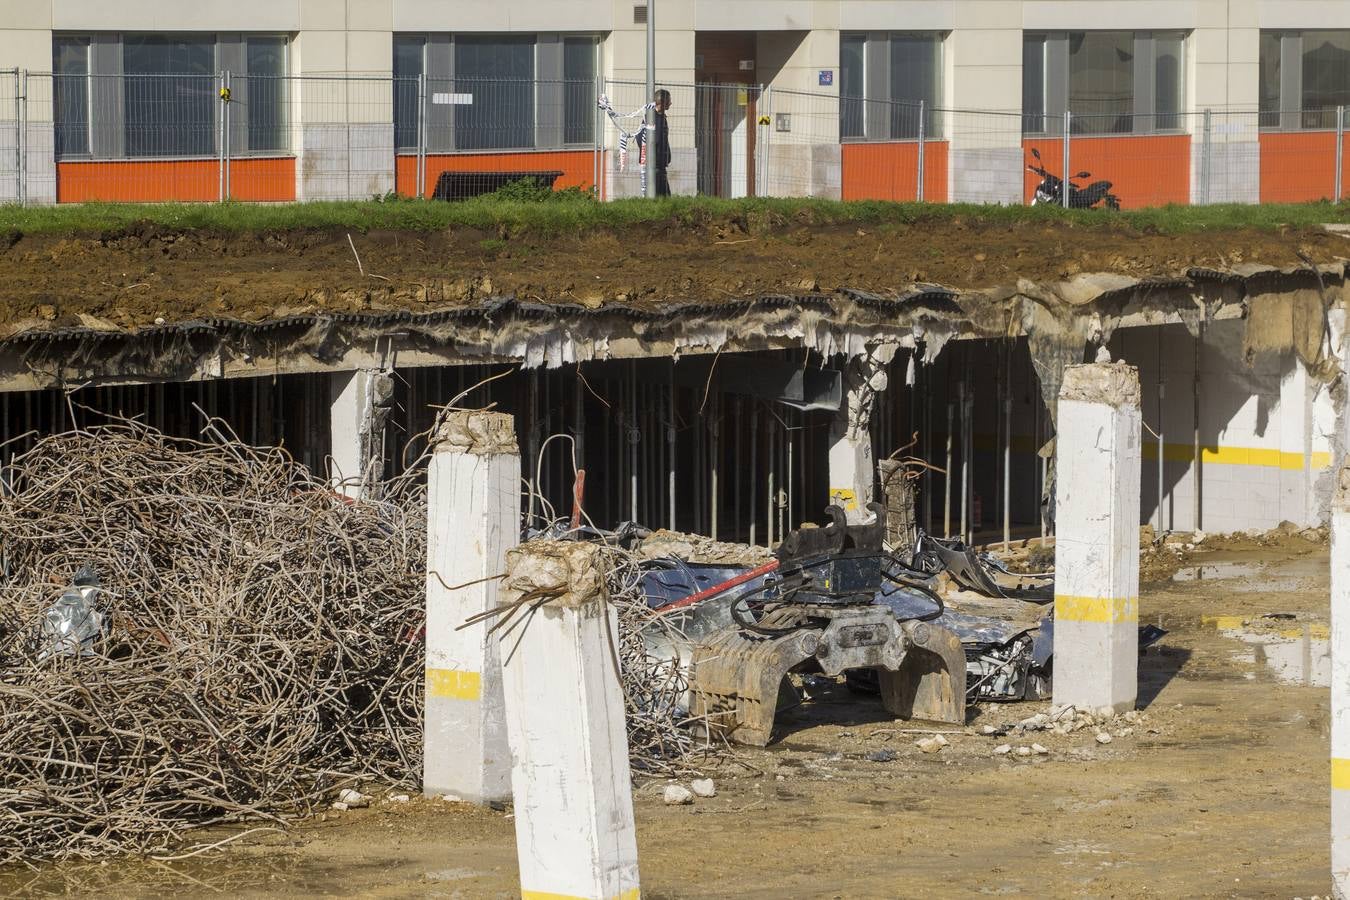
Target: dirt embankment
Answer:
pixel 132 278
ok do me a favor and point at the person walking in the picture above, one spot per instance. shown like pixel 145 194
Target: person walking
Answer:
pixel 661 146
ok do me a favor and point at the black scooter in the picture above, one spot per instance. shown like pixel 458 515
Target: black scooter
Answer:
pixel 1050 190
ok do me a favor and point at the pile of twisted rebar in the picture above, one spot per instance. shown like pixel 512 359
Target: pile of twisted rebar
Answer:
pixel 261 642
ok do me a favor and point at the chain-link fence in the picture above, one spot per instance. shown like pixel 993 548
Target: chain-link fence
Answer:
pixel 217 136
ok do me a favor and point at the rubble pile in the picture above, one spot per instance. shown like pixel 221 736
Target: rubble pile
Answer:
pixel 241 642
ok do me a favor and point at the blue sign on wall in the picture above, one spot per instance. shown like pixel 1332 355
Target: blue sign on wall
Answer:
pixel 826 77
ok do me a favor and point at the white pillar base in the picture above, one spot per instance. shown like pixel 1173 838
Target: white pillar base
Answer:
pixel 360 403
pixel 473 518
pixel 1097 538
pixel 575 833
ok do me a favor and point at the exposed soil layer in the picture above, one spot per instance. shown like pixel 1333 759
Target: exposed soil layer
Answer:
pixel 132 278
pixel 1218 790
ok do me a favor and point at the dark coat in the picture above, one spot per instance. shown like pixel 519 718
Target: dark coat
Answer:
pixel 662 141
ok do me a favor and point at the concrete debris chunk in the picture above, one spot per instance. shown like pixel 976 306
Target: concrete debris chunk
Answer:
pixel 1003 749
pixel 1023 751
pixel 932 744
pixel 704 787
pixel 1039 750
pixel 1124 732
pixel 678 795
pixel 340 806
pixel 1103 737
pixel 353 798
pixel 886 755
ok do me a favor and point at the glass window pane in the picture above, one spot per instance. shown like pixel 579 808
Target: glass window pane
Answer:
pixel 70 95
pixel 852 52
pixel 1033 83
pixel 498 72
pixel 579 90
pixel 1326 76
pixel 1101 81
pixel 1169 81
pixel 1269 97
pixel 266 94
pixel 170 95
pixel 407 68
pixel 915 69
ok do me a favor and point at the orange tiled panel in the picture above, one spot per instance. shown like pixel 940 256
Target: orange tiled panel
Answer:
pixel 577 167
pixel 1297 166
pixel 890 171
pixel 1144 170
pixel 183 180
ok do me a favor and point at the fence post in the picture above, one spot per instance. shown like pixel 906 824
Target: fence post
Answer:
pixel 1206 160
pixel 420 182
pixel 1064 184
pixel 1340 151
pixel 918 190
pixel 597 139
pixel 21 139
pixel 762 108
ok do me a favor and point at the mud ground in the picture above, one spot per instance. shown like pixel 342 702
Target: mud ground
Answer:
pixel 129 279
pixel 1219 790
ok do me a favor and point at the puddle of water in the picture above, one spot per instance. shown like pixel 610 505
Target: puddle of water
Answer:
pixel 1212 570
pixel 1295 653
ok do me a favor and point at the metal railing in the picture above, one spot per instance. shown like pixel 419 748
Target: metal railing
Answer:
pixel 231 136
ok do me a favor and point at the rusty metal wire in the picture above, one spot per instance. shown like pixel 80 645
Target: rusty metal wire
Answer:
pixel 262 646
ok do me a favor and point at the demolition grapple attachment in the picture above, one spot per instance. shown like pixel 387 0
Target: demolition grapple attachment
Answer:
pixel 822 615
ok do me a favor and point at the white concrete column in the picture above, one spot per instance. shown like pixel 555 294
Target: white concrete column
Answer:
pixel 473 517
pixel 852 467
pixel 1097 538
pixel 1340 686
pixel 575 834
pixel 360 402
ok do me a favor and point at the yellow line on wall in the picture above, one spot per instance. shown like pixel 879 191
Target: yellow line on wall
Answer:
pixel 1340 774
pixel 1211 454
pixel 454 683
pixel 1107 610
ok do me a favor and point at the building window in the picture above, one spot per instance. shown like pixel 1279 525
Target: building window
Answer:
pixel 70 95
pixel 495 92
pixel 1305 76
pixel 1113 82
pixel 128 96
pixel 885 79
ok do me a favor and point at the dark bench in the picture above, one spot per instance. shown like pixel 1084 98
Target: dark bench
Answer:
pixel 463 185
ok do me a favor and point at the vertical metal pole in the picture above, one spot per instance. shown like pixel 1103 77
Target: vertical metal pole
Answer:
pixel 754 464
pixel 714 462
pixel 1340 150
pixel 737 467
pixel 927 419
pixel 650 118
pixel 220 137
pixel 947 480
pixel 769 448
pixel 968 467
pixel 670 450
pixel 1007 454
pixel 225 150
pixel 1064 185
pixel 1207 159
pixel 633 437
pixel 23 138
pixel 597 139
pixel 421 135
pixel 1162 450
pixel 918 189
pixel 18 133
pixel 965 461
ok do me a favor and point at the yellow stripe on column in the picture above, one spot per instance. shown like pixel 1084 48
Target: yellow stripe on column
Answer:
pixel 1111 610
pixel 454 683
pixel 630 894
pixel 1340 774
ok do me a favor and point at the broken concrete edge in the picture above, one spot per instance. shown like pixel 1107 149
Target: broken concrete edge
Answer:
pixel 850 323
pixel 561 574
pixel 1114 384
pixel 477 432
pixel 1341 500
